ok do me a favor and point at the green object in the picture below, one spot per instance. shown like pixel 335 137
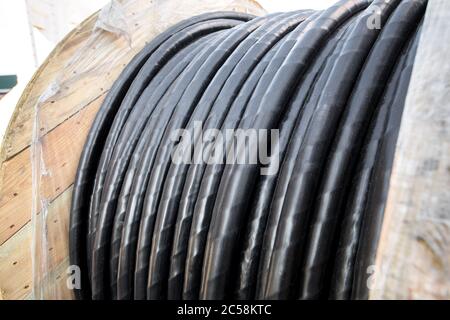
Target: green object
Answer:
pixel 7 83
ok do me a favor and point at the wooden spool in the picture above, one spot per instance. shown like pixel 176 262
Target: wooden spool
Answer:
pixel 414 251
pixel 413 259
pixel 83 67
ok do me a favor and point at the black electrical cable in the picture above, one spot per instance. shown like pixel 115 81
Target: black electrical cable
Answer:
pixel 175 66
pixel 211 177
pixel 231 206
pixel 155 129
pixel 287 166
pixel 379 187
pixel 301 223
pixel 129 139
pixel 163 231
pixel 268 34
pixel 253 237
pixel 195 186
pixel 193 176
pixel 353 215
pixel 90 156
pixel 111 170
pixel 166 111
pixel 290 232
pixel 352 129
pixel 196 81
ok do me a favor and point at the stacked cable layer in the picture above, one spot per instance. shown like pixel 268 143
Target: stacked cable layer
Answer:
pixel 329 85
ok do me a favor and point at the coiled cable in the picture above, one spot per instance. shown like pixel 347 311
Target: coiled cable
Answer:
pixel 144 226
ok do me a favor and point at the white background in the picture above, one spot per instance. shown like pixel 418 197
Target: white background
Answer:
pixel 17 55
pixel 29 30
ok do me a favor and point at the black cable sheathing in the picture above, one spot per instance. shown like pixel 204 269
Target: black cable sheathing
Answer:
pixel 197 80
pixel 188 191
pixel 167 207
pixel 150 69
pixel 211 178
pixel 90 156
pixel 379 187
pixel 352 129
pixel 342 278
pixel 155 127
pixel 194 187
pixel 289 236
pixel 173 69
pixel 236 71
pixel 231 206
pixel 287 166
pixel 256 225
pixel 103 201
pixel 141 114
pixel 158 213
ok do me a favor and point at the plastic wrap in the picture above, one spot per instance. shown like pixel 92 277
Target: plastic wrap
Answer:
pixel 92 57
pixel 129 200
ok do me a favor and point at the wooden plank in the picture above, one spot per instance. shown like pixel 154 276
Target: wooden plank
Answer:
pixel 413 259
pixel 15 268
pixel 84 66
pixel 77 72
pixel 16 275
pixel 63 147
pixel 63 144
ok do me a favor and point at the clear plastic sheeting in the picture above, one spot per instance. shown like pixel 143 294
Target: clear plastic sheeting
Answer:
pixel 94 54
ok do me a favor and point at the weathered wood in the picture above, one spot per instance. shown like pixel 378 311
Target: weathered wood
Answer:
pixel 15 265
pixel 413 260
pixel 414 252
pixel 16 275
pixel 62 150
pixel 83 67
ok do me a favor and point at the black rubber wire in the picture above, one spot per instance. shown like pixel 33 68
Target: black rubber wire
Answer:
pixel 90 156
pixel 352 129
pixel 379 186
pixel 253 236
pixel 166 214
pixel 267 34
pixel 160 120
pixel 213 173
pixel 151 140
pixel 203 180
pixel 288 236
pixel 175 66
pixel 196 80
pixel 287 165
pixel 342 277
pixel 190 185
pixel 144 226
pixel 231 206
pixel 113 168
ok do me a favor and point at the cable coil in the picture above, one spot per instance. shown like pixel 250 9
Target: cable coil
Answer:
pixel 333 83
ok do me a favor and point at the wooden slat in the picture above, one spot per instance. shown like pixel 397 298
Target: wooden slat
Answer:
pixel 15 269
pixel 84 65
pixel 16 276
pixel 84 57
pixel 62 151
pixel 413 260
